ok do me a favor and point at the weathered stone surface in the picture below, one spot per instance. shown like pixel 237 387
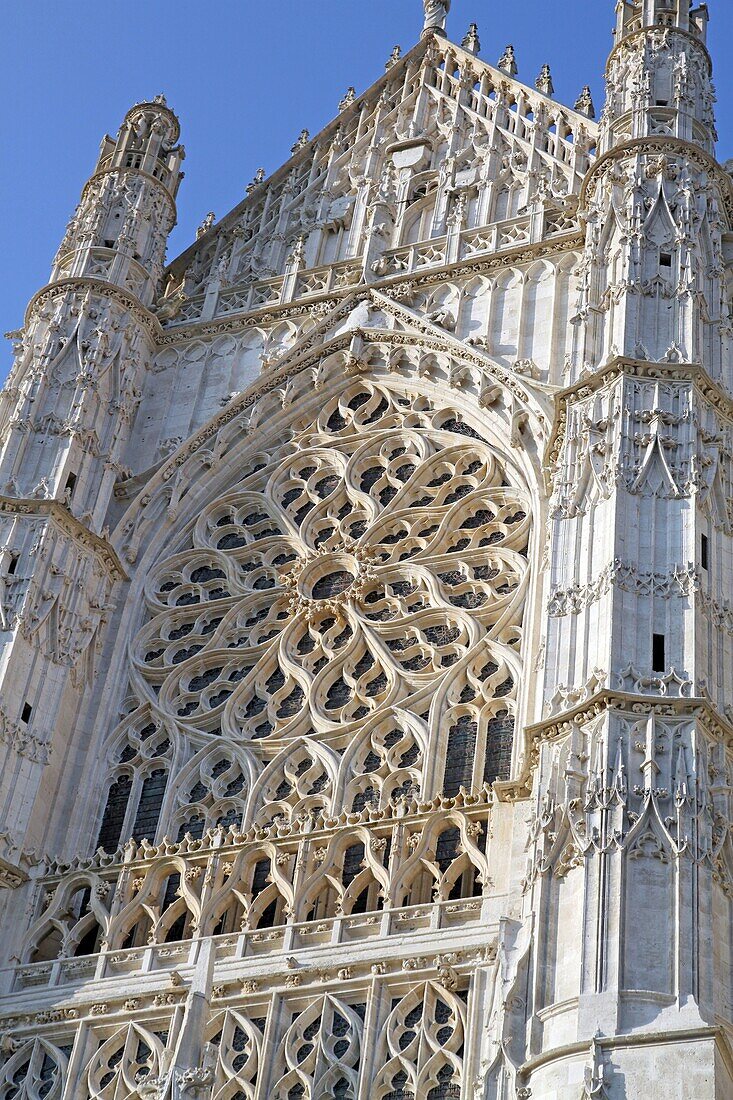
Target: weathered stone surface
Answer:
pixel 365 592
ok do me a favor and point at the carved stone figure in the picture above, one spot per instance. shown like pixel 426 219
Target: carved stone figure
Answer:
pixel 436 14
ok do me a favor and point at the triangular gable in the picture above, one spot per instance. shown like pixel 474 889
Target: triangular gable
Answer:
pixel 440 112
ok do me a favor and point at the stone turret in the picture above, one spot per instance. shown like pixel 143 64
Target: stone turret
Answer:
pixel 658 78
pixel 65 417
pixel 640 536
pixel 127 209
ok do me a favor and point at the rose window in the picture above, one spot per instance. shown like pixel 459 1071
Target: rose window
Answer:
pixel 378 564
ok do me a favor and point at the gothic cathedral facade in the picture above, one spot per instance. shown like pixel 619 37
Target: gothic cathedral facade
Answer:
pixel 366 605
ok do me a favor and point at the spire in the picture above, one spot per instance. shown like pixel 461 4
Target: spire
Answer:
pixel 584 103
pixel 508 62
pixel 471 41
pixel 120 228
pixel 543 83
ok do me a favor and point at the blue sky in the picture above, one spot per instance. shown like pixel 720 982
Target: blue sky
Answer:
pixel 245 77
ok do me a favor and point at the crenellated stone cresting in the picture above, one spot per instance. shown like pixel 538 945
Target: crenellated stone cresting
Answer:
pixel 317 882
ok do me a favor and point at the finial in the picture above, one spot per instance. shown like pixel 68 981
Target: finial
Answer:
pixel 508 62
pixel 348 99
pixel 543 83
pixel 471 42
pixel 393 58
pixel 259 178
pixel 584 103
pixel 436 14
pixel 160 100
pixel 302 141
pixel 206 224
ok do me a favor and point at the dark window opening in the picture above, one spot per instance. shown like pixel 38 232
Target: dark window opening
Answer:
pixel 148 810
pixel 70 485
pixel 665 259
pixel 25 714
pixel 89 943
pixel 114 813
pixel 499 745
pixel 13 564
pixel 109 244
pixel 704 552
pixel 459 756
pixel 659 663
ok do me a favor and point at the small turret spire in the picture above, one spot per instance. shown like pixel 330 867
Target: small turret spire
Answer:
pixel 543 83
pixel 508 62
pixel 471 41
pixel 584 103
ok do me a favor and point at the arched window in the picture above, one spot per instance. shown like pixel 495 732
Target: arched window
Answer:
pixel 115 812
pixel 135 793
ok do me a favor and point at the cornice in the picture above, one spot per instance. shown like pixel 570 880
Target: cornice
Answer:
pixel 661 146
pixel 28 506
pixel 129 302
pixel 560 725
pixel 589 384
pixel 569 1051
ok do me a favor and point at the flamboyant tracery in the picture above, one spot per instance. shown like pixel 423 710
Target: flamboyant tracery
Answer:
pixel 365 618
pixel 338 631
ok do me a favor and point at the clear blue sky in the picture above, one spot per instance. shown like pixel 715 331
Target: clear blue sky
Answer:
pixel 245 77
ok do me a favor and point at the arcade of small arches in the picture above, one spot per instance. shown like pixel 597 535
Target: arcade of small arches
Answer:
pixel 319 1048
pixel 367 875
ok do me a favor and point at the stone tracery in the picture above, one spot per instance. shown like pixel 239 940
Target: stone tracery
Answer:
pixel 326 663
pixel 338 617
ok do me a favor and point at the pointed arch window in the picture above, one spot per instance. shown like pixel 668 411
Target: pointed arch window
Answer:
pixel 137 786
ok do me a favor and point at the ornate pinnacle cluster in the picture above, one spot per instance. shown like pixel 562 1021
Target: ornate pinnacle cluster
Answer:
pixel 543 83
pixel 206 224
pixel 508 62
pixel 472 42
pixel 584 103
pixel 303 139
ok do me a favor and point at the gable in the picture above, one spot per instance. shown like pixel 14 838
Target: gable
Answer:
pixel 443 144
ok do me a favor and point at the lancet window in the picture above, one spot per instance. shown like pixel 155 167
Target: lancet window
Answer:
pixel 35 1071
pixel 137 783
